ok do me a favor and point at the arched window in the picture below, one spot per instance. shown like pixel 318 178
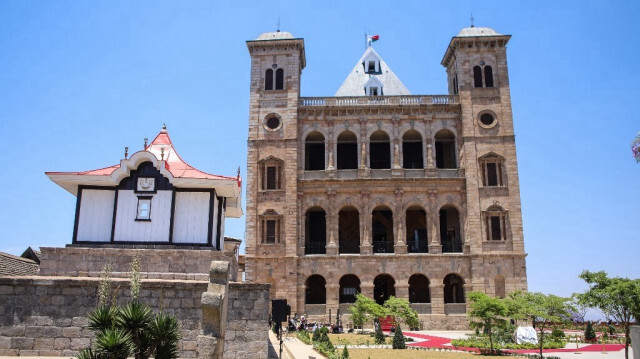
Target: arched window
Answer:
pixel 488 76
pixel 450 230
pixel 417 230
pixel 279 79
pixel 412 150
pixel 496 223
pixel 268 80
pixel 383 288
pixel 349 287
pixel 349 230
pixel 477 76
pixel 453 289
pixel 316 292
pixel 419 289
pixel 315 231
pixel 347 151
pixel 500 286
pixel 379 150
pixel 445 149
pixel 314 152
pixel 382 230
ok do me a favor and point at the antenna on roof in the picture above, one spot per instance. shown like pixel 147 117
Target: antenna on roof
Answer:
pixel 164 126
pixel 145 142
pixel 472 20
pixel 238 177
pixel 278 24
pixel 126 152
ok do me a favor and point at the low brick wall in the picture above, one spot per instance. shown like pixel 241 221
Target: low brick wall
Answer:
pixel 47 316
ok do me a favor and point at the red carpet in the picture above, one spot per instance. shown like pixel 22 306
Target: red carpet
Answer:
pixel 444 343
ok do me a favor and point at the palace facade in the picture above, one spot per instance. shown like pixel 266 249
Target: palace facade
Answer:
pixel 381 192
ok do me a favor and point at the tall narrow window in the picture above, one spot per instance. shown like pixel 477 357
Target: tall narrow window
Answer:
pixel 379 150
pixel 268 80
pixel 144 209
pixel 412 150
pixel 477 76
pixel 496 224
pixel 314 152
pixel 488 76
pixel 492 173
pixel 271 174
pixel 347 151
pixel 445 149
pixel 279 79
pixel 271 227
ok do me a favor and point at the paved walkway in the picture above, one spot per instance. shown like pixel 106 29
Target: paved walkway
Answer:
pixel 293 348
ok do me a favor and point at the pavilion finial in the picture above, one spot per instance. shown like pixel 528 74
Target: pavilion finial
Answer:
pixel 164 126
pixel 278 25
pixel 238 176
pixel 126 152
pixel 471 20
pixel 145 142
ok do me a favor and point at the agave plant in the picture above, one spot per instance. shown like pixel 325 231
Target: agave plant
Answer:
pixel 165 331
pixel 103 318
pixel 113 344
pixel 134 318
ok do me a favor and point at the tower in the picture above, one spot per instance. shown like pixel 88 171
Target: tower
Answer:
pixel 277 60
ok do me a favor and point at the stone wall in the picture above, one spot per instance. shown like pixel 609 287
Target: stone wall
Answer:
pixel 47 316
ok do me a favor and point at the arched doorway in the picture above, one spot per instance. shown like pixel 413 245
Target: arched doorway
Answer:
pixel 382 230
pixel 383 288
pixel 349 231
pixel 419 289
pixel 315 290
pixel 315 231
pixel 349 287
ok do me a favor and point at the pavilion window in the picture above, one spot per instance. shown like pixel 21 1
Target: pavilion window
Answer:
pixel 477 76
pixel 268 80
pixel 488 76
pixel 279 79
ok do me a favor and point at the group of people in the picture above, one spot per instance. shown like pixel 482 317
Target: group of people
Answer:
pixel 301 323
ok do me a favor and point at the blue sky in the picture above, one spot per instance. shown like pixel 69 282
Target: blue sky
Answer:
pixel 81 80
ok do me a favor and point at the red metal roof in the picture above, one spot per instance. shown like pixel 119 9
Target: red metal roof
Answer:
pixel 173 162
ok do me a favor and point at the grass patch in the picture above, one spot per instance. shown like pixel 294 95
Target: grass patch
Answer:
pixel 414 354
pixel 355 339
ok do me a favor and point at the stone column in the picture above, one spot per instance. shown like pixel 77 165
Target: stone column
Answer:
pixel 433 223
pixel 214 312
pixel 437 297
pixel 402 290
pixel 366 288
pixel 333 299
pixel 365 218
pixel 334 240
pixel 400 245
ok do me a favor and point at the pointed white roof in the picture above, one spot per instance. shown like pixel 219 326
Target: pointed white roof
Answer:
pixel 355 82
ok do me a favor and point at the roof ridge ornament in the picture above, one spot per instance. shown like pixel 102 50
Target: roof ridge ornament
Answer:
pixel 472 20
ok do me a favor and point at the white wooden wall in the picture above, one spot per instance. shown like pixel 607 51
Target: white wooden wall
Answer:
pixel 96 215
pixel 191 217
pixel 129 230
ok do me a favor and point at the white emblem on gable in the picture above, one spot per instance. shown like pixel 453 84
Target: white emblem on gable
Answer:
pixel 146 184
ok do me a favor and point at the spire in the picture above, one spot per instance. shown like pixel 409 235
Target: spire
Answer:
pixel 472 20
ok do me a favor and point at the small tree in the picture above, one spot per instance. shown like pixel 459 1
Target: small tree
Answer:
pixel 398 339
pixel 544 310
pixel 589 333
pixel 379 336
pixel 345 353
pixel 488 313
pixel 401 311
pixel 365 309
pixel 618 298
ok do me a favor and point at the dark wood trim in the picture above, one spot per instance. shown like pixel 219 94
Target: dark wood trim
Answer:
pixel 173 211
pixel 77 220
pixel 106 188
pixel 203 190
pixel 145 243
pixel 145 169
pixel 115 212
pixel 221 201
pixel 212 195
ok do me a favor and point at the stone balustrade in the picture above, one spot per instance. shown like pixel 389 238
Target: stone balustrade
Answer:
pixel 417 100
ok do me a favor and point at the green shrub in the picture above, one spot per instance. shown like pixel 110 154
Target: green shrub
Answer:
pixel 316 335
pixel 557 333
pixel 589 332
pixel 345 353
pixel 304 337
pixel 398 339
pixel 379 336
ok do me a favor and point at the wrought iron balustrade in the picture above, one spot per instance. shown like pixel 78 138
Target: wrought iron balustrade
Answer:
pixel 418 247
pixel 382 247
pixel 315 248
pixel 454 246
pixel 349 248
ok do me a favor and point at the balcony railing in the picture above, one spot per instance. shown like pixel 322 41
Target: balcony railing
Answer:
pixel 382 247
pixel 449 173
pixel 421 308
pixel 455 308
pixel 349 248
pixel 418 247
pixel 348 174
pixel 314 175
pixel 454 246
pixel 376 173
pixel 315 248
pixel 315 309
pixel 380 173
pixel 380 100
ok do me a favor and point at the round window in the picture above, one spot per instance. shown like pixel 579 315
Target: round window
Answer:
pixel 272 123
pixel 487 120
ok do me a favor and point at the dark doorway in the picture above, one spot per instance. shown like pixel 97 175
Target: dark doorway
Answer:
pixel 316 292
pixel 383 288
pixel 453 289
pixel 316 231
pixel 379 151
pixel 349 287
pixel 417 230
pixel 445 149
pixel 349 231
pixel 314 152
pixel 419 289
pixel 412 150
pixel 347 151
pixel 450 230
pixel 382 230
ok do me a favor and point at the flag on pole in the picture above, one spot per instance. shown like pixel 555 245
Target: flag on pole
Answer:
pixel 375 38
